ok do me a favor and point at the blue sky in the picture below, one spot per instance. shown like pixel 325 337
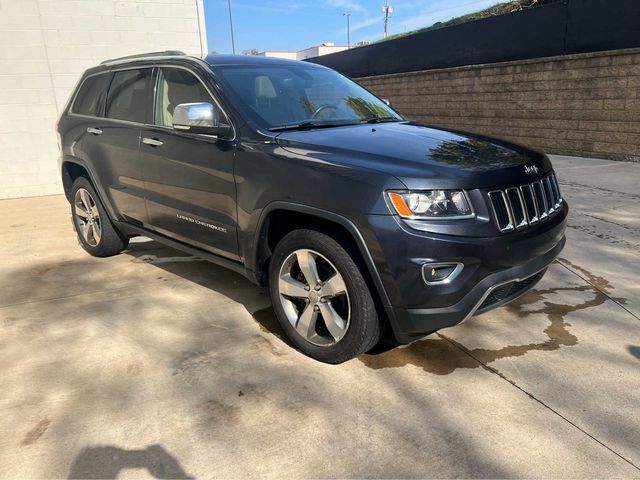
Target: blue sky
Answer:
pixel 297 24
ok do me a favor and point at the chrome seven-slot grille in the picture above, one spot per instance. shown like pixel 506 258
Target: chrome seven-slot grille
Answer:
pixel 518 207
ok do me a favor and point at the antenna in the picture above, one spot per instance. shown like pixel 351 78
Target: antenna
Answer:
pixel 387 10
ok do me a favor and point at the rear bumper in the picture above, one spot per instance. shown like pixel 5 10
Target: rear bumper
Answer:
pixel 415 323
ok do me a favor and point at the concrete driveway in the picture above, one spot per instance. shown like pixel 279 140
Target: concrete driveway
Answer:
pixel 152 363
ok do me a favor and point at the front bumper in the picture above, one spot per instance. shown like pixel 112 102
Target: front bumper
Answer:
pixel 496 270
pixel 416 323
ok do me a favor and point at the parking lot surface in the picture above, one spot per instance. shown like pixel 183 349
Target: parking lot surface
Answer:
pixel 154 363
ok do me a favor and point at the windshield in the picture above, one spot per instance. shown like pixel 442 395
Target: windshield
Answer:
pixel 280 96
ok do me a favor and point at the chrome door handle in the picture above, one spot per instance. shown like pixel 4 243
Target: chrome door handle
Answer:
pixel 95 131
pixel 152 141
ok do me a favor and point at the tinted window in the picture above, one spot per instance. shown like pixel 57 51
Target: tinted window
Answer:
pixel 275 96
pixel 127 98
pixel 91 95
pixel 176 86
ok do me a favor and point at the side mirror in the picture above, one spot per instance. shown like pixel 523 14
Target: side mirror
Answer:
pixel 199 118
pixel 387 102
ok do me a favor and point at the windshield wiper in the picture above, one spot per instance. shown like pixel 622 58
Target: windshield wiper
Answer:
pixel 293 126
pixel 380 120
pixel 307 125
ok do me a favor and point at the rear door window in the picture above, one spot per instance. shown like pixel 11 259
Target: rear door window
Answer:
pixel 91 95
pixel 128 93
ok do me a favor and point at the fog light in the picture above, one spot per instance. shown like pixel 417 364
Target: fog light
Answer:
pixel 440 273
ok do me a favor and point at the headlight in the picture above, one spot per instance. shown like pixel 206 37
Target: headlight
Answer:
pixel 431 204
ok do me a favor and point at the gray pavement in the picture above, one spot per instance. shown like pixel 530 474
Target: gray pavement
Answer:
pixel 153 363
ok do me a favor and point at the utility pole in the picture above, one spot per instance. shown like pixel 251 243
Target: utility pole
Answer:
pixel 387 10
pixel 233 40
pixel 348 15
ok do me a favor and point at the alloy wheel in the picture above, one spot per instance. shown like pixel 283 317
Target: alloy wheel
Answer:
pixel 314 297
pixel 88 217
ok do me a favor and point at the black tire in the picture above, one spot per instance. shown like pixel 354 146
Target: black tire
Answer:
pixel 111 241
pixel 363 329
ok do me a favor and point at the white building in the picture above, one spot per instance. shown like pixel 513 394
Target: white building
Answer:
pixel 316 51
pixel 44 47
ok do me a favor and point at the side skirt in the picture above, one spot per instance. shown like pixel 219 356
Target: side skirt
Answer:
pixel 237 267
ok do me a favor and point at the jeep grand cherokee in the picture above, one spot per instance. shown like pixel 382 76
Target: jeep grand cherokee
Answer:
pixel 363 225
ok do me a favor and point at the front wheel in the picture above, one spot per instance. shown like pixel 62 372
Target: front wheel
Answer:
pixel 321 298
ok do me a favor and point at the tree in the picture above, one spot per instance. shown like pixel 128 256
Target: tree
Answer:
pixel 253 51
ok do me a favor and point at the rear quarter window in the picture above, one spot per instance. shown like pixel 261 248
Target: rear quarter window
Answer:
pixel 91 95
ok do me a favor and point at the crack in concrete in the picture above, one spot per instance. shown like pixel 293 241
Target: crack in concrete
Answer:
pixel 497 372
pixel 596 284
pixel 592 187
pixel 81 294
pixel 612 239
pixel 626 227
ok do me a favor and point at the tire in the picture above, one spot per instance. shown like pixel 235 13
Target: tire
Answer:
pixel 96 233
pixel 341 325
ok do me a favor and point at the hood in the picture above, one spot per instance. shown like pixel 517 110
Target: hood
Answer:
pixel 420 156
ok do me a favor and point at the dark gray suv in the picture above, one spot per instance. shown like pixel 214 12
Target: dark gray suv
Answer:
pixel 365 226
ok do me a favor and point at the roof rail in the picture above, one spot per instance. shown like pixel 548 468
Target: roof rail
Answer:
pixel 165 53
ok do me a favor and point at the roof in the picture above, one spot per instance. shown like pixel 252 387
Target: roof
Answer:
pixel 211 59
pixel 218 59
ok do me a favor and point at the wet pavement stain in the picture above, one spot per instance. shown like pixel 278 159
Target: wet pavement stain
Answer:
pixel 216 411
pixel 597 281
pixel 134 368
pixel 443 355
pixel 191 360
pixel 36 432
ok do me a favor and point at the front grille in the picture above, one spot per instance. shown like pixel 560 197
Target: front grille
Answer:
pixel 519 207
pixel 507 291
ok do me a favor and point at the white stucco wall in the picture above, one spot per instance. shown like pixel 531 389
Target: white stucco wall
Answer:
pixel 44 47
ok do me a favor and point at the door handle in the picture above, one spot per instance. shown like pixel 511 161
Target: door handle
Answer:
pixel 152 141
pixel 95 131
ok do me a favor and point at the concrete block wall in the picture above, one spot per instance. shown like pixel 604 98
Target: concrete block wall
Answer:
pixel 45 45
pixel 583 105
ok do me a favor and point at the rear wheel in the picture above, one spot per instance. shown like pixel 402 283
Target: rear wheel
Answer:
pixel 96 233
pixel 321 298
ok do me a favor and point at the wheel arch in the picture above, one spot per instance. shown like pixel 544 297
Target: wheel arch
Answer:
pixel 72 168
pixel 280 218
pixel 70 172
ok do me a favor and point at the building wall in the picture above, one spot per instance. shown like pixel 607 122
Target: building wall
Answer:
pixel 318 51
pixel 287 55
pixel 585 105
pixel 45 45
pixel 310 52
